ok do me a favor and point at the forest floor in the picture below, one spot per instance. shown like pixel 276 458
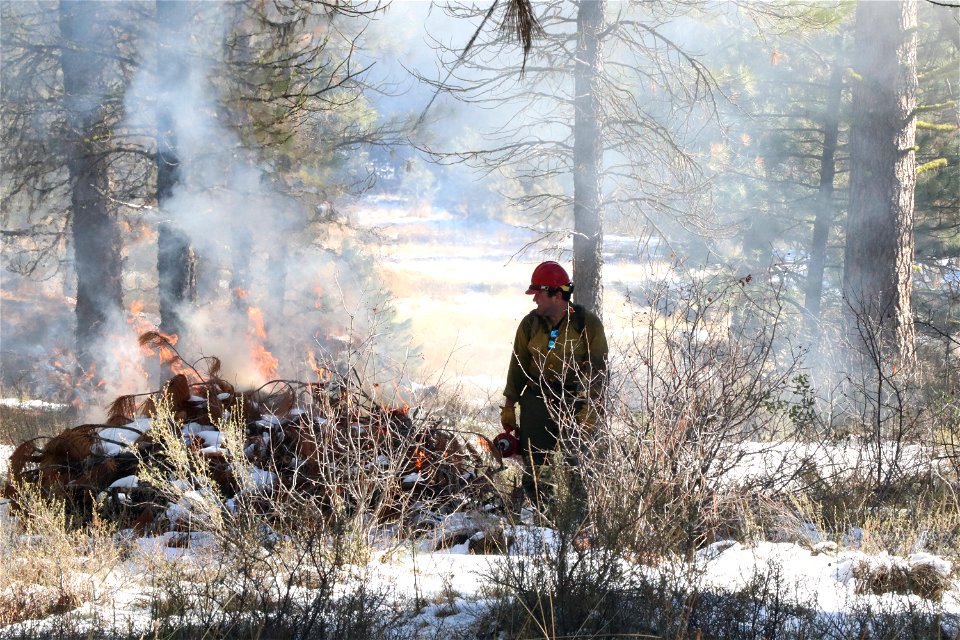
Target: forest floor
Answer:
pixel 449 592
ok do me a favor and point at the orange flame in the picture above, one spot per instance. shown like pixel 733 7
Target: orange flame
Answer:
pixel 89 379
pixel 255 316
pixel 138 321
pixel 323 375
pixel 420 459
pixel 82 384
pixel 266 363
pixel 166 354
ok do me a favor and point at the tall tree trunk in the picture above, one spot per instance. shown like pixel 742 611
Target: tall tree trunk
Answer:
pixel 823 219
pixel 95 232
pixel 879 246
pixel 587 158
pixel 176 260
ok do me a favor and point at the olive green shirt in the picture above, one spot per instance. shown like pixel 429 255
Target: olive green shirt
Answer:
pixel 576 365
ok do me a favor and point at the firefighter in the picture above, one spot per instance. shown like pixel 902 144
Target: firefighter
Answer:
pixel 557 376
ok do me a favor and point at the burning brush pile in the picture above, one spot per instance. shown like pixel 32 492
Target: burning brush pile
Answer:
pixel 192 453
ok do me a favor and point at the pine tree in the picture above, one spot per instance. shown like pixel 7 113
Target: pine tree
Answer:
pixel 878 257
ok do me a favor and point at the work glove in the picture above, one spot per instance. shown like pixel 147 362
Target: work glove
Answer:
pixel 508 418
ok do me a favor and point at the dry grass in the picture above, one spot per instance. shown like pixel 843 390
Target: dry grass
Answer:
pixel 18 423
pixel 899 577
pixel 927 526
pixel 49 567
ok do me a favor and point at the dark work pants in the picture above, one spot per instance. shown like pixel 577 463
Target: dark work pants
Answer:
pixel 539 436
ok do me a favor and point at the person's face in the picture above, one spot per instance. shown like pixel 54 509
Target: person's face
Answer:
pixel 547 304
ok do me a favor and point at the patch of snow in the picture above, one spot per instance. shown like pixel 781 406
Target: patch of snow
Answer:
pixel 181 485
pixel 176 512
pixel 531 540
pixel 114 440
pixel 263 480
pixel 941 566
pixel 712 551
pixel 126 482
pixel 6 520
pixel 41 405
pixel 211 438
pixel 781 462
pixel 193 429
pixel 843 570
pixel 5 452
pixel 827 546
pixel 826 581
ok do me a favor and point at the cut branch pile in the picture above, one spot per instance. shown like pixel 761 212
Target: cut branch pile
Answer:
pixel 322 448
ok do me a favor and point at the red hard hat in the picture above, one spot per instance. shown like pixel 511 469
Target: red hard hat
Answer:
pixel 549 275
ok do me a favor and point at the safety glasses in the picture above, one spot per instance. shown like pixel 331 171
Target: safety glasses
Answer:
pixel 553 339
pixel 547 287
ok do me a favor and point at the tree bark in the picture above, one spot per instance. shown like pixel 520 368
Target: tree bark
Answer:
pixel 878 254
pixel 587 158
pixel 95 232
pixel 823 219
pixel 176 259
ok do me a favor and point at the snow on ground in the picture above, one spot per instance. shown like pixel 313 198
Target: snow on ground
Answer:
pixel 114 440
pixel 823 580
pixel 782 461
pixel 5 452
pixel 453 585
pixel 449 590
pixel 450 586
pixel 17 403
